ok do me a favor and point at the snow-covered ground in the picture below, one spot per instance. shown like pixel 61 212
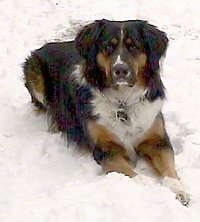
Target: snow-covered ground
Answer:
pixel 43 180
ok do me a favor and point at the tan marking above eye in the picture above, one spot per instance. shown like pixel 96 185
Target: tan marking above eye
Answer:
pixel 114 41
pixel 128 41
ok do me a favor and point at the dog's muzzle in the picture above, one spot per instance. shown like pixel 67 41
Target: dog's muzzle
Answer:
pixel 121 74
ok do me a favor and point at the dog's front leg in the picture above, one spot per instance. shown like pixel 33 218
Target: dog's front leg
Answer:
pixel 108 151
pixel 158 151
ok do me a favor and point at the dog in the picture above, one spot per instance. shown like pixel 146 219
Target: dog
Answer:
pixel 103 90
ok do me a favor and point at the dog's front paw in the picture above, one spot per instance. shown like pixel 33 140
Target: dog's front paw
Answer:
pixel 184 198
pixel 177 187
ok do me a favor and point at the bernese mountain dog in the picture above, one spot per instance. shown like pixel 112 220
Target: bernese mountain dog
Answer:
pixel 103 90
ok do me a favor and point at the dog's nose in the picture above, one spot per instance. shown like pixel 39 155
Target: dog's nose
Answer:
pixel 120 70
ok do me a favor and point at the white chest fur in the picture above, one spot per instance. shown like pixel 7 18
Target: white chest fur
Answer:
pixel 141 113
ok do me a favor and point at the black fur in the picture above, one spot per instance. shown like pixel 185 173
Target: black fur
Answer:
pixel 68 104
pixel 156 43
pixel 87 45
pixel 99 155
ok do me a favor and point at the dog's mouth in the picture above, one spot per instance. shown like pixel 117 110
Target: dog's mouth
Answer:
pixel 125 80
pixel 122 82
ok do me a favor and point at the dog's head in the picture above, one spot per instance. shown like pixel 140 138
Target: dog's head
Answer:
pixel 126 53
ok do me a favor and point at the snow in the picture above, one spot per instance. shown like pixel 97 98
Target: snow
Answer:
pixel 43 180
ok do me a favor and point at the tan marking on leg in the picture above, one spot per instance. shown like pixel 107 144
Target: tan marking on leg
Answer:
pixel 118 164
pixel 157 128
pixel 103 137
pixel 156 148
pixel 118 161
pixel 161 158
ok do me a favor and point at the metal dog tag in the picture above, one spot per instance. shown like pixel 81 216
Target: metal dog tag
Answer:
pixel 122 115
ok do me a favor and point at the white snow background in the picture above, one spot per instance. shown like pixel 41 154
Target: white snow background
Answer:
pixel 41 180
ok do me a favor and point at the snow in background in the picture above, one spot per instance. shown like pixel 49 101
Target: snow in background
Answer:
pixel 43 180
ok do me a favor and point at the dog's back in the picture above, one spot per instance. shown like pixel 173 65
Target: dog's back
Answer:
pixel 45 65
pixel 49 75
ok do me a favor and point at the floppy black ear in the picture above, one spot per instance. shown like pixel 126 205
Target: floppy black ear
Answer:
pixel 156 43
pixel 86 39
pixel 86 43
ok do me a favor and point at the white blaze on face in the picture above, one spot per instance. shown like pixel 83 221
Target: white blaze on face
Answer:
pixel 119 60
pixel 122 35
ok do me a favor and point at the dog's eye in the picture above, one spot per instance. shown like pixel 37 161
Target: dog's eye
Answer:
pixel 131 48
pixel 110 48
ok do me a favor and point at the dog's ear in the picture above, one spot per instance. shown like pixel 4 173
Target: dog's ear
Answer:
pixel 156 43
pixel 86 39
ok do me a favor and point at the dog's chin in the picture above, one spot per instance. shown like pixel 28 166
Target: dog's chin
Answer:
pixel 122 82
